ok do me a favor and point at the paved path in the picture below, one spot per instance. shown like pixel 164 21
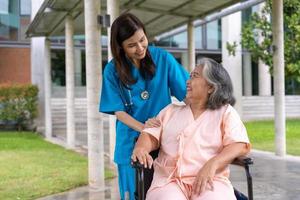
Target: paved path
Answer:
pixel 273 179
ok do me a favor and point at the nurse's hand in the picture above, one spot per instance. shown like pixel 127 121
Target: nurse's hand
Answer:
pixel 142 156
pixel 152 123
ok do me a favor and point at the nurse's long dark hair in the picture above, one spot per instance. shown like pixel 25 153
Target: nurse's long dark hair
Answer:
pixel 123 28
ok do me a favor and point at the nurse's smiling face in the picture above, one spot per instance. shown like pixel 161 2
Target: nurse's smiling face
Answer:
pixel 135 47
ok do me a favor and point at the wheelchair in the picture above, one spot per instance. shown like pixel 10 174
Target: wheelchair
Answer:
pixel 242 161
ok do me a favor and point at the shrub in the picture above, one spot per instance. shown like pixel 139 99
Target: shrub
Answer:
pixel 18 104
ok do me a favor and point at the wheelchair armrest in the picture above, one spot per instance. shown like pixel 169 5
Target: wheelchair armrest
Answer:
pixel 242 161
pixel 137 165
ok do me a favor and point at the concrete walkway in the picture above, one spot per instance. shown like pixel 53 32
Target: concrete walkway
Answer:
pixel 273 179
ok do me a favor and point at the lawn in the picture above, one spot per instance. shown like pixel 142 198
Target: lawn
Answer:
pixel 262 136
pixel 31 167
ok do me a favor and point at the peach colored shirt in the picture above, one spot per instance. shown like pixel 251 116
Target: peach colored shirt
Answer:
pixel 186 144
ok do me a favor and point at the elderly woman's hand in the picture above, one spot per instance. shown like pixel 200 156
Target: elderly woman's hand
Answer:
pixel 152 123
pixel 140 154
pixel 205 177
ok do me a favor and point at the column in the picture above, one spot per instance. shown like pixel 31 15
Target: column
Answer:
pixel 278 63
pixel 191 46
pixel 93 81
pixel 47 89
pixel 247 74
pixel 264 79
pixel 264 76
pixel 78 67
pixel 70 81
pixel 185 60
pixel 37 72
pixel 231 32
pixel 113 11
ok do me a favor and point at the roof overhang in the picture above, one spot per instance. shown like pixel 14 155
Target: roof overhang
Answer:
pixel 158 16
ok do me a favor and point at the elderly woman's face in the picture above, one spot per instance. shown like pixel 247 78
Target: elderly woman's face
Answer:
pixel 197 86
pixel 135 47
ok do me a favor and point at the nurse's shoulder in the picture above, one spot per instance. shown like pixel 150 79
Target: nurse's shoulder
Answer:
pixel 158 53
pixel 110 69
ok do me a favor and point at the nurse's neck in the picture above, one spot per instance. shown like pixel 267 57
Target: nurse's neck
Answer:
pixel 136 63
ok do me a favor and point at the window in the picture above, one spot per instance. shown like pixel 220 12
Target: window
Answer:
pixel 3 7
pixel 198 37
pixel 180 40
pixel 25 7
pixel 213 34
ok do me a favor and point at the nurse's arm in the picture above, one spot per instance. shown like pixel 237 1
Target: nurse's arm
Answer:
pixel 129 121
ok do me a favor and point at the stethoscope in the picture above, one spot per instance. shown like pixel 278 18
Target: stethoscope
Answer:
pixel 127 98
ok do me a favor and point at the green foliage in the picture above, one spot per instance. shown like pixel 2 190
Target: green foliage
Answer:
pixel 259 26
pixel 18 104
pixel 231 48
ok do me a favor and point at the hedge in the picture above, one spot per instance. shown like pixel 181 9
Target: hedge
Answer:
pixel 18 104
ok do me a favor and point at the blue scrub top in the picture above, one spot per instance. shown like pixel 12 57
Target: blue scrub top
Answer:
pixel 169 80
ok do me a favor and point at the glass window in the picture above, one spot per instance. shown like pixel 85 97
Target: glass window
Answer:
pixel 25 7
pixel 9 19
pixel 58 68
pixel 246 15
pixel 165 42
pixel 198 37
pixel 3 6
pixel 180 40
pixel 213 33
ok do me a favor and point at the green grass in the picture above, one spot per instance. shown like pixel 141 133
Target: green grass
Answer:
pixel 31 167
pixel 262 135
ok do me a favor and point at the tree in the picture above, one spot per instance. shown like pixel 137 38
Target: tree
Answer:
pixel 259 26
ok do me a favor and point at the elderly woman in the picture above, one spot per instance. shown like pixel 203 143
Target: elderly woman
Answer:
pixel 197 141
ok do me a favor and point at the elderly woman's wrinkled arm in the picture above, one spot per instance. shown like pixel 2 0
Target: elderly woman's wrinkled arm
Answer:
pixel 144 145
pixel 219 162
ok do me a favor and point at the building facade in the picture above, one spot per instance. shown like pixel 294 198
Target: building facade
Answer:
pixel 14 46
pixel 15 51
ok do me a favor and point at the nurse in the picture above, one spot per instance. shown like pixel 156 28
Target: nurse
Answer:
pixel 137 83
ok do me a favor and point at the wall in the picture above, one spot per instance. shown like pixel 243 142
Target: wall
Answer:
pixel 262 107
pixel 15 65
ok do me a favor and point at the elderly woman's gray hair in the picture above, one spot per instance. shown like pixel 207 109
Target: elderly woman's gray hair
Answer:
pixel 216 75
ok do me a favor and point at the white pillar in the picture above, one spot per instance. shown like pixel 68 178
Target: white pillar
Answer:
pixel 78 66
pixel 231 32
pixel 37 72
pixel 191 46
pixel 113 11
pixel 264 76
pixel 47 78
pixel 93 81
pixel 264 79
pixel 185 60
pixel 70 82
pixel 247 71
pixel 279 93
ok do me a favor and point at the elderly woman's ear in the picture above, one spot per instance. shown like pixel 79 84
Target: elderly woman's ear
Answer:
pixel 211 89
